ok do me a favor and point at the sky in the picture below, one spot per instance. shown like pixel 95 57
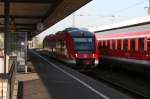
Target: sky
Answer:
pixel 101 12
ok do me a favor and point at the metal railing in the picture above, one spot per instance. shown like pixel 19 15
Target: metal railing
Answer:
pixel 8 80
pixel 12 72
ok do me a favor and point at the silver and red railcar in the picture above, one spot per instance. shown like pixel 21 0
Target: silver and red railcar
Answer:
pixel 126 42
pixel 73 46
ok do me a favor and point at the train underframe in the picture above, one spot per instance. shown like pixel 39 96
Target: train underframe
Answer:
pixel 77 63
pixel 118 64
pixel 86 63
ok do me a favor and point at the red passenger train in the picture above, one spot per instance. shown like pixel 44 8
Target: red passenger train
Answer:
pixel 74 46
pixel 126 42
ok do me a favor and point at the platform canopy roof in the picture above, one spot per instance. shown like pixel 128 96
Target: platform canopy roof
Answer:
pixel 31 15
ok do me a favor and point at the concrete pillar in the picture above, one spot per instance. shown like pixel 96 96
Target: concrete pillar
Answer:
pixel 6 35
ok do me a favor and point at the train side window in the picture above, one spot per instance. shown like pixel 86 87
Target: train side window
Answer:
pixel 63 44
pixel 101 43
pixel 122 45
pixel 141 44
pixel 148 44
pixel 58 44
pixel 132 44
pixel 108 44
pixel 113 44
pixel 104 44
pixel 125 44
pixel 119 44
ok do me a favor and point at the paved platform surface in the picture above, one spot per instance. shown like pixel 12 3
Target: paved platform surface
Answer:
pixel 56 81
pixel 26 78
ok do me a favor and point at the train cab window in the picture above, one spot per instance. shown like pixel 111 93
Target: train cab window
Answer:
pixel 141 44
pixel 84 44
pixel 148 44
pixel 132 44
pixel 125 45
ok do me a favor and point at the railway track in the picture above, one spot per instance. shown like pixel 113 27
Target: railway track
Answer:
pixel 123 83
pixel 119 82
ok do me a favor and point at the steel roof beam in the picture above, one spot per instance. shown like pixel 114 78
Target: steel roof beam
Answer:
pixel 51 9
pixel 22 24
pixel 18 29
pixel 22 17
pixel 29 29
pixel 30 1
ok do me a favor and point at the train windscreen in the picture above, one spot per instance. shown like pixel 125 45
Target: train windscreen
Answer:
pixel 86 44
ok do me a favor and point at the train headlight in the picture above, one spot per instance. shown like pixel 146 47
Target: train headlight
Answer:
pixel 93 55
pixel 76 54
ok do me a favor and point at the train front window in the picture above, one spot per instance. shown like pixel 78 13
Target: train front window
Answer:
pixel 148 44
pixel 84 44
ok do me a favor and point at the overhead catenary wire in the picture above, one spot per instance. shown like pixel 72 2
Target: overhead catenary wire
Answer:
pixel 118 11
pixel 130 6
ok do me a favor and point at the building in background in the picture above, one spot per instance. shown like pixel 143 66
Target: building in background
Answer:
pixel 1 40
pixel 37 42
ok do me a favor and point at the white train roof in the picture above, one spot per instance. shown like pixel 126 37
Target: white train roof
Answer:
pixel 136 21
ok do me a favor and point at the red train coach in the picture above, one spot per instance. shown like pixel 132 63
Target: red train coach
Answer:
pixel 126 42
pixel 73 46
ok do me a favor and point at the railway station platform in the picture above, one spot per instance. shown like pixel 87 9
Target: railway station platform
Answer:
pixel 51 80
